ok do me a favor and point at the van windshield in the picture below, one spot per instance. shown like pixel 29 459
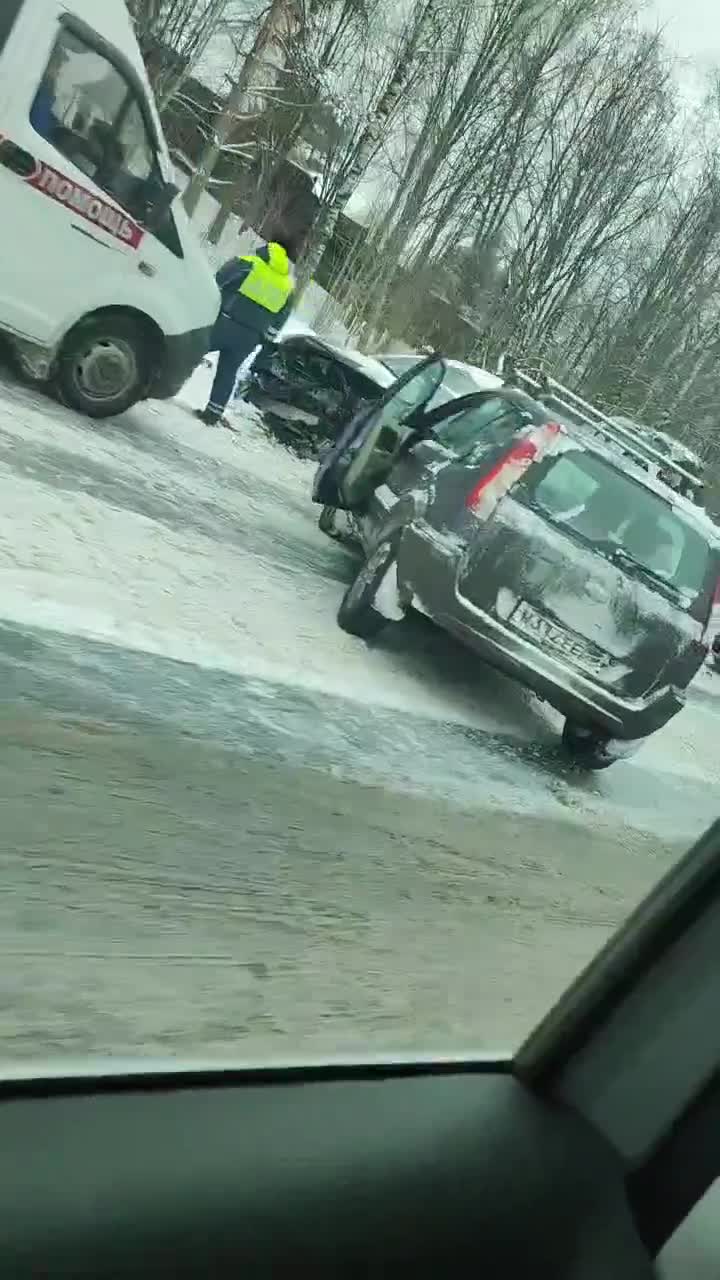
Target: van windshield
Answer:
pixel 622 518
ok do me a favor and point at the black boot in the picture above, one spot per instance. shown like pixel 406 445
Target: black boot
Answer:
pixel 210 417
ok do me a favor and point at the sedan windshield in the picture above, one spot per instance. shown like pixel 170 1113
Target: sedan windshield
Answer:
pixel 456 383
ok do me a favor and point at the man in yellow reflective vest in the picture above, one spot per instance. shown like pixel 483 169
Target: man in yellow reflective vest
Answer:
pixel 256 292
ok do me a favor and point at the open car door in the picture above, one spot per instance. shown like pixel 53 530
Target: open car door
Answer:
pixel 576 1160
pixel 365 452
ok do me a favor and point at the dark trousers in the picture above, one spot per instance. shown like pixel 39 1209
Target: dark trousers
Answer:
pixel 233 343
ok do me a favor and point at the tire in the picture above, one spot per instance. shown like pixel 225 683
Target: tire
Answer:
pixel 104 365
pixel 588 748
pixel 326 522
pixel 357 613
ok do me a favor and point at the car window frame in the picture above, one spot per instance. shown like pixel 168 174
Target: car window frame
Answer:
pixel 428 423
pixel 527 1096
pixel 598 1018
pixel 497 434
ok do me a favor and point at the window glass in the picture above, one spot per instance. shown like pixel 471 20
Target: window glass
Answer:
pixel 9 11
pixel 460 382
pixel 325 374
pixel 87 109
pixel 414 395
pixel 490 422
pixel 595 500
pixel 139 157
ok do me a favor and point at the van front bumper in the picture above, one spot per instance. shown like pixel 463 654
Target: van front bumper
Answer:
pixel 183 353
pixel 431 577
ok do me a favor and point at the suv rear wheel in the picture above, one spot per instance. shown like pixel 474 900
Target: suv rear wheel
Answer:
pixel 358 613
pixel 589 748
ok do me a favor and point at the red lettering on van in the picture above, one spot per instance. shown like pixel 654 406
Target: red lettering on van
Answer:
pixel 86 204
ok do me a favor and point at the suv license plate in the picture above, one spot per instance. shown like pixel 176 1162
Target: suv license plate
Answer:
pixel 544 631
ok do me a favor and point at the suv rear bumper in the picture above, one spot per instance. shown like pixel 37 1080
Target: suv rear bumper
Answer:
pixel 431 576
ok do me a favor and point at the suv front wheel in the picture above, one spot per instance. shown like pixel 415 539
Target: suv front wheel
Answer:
pixel 359 612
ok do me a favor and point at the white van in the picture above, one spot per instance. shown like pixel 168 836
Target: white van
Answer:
pixel 104 288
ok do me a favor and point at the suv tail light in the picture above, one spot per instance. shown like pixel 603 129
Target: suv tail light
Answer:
pixel 487 493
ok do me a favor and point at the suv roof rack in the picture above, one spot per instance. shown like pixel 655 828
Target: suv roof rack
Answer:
pixel 543 388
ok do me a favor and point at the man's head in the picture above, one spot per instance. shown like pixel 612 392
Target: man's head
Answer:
pixel 289 240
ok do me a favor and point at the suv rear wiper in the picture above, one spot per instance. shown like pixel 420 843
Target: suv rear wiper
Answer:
pixel 621 555
pixel 602 547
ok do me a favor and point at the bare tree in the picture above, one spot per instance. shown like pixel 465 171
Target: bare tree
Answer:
pixel 272 28
pixel 328 36
pixel 467 167
pixel 411 55
pixel 672 308
pixel 602 169
pixel 172 35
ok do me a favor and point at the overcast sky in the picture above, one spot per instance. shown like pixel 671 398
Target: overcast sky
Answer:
pixel 691 26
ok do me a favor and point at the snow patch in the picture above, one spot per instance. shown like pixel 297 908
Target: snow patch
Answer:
pixel 505 603
pixel 387 600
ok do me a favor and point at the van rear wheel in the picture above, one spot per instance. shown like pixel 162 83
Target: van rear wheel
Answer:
pixel 104 365
pixel 588 748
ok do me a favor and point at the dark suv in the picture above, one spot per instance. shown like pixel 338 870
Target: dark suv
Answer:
pixel 543 548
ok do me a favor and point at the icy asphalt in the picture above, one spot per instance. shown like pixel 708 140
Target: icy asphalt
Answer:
pixel 229 830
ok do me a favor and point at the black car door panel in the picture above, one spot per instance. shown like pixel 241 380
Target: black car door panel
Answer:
pixel 368 1174
pixel 366 450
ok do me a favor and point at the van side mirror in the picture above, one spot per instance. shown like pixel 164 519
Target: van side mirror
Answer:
pixel 159 196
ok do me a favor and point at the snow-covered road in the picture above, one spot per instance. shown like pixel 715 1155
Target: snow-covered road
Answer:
pixel 161 536
pixel 164 587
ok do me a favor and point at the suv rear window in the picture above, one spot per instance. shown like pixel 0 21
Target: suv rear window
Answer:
pixel 624 520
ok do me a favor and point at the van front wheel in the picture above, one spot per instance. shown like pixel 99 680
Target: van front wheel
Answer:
pixel 103 365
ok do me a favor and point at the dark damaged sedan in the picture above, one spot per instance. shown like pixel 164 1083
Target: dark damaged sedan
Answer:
pixel 307 389
pixel 538 543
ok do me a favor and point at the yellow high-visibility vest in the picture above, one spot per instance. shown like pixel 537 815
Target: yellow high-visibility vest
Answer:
pixel 269 284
